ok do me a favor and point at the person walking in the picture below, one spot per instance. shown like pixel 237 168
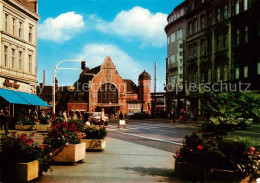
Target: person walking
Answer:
pixel 2 118
pixel 195 117
pixel 121 120
pixel 6 120
pixel 182 112
pixel 64 115
pixel 172 116
pixel 102 117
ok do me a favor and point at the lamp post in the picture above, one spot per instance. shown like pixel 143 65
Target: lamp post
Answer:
pixel 54 83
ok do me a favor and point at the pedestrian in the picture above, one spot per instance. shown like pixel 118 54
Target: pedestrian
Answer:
pixel 64 115
pixel 172 116
pixel 102 117
pixel 195 117
pixel 121 120
pixel 6 120
pixel 2 116
pixel 182 112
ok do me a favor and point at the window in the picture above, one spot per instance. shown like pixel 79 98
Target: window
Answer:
pixel 173 58
pixel 172 37
pixel 218 43
pixel 20 60
pixel 5 56
pixel 258 68
pixel 237 7
pixel 225 77
pixel 108 93
pixel 237 73
pixel 6 22
pixel 14 26
pixel 209 46
pixel 246 72
pixel 30 64
pixel 202 22
pixel 190 51
pixel 202 48
pixel 195 50
pixel 209 75
pixel 190 28
pixel 246 34
pixel 225 41
pixel 218 74
pixel 168 39
pixel 238 37
pixel 20 30
pixel 218 15
pixel 225 12
pixel 195 26
pixel 30 34
pixel 245 5
pixel 13 57
pixel 209 18
pixel 180 33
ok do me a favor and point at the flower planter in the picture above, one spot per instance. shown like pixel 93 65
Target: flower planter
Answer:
pixel 28 127
pixel 197 172
pixel 71 153
pixel 18 127
pixel 94 144
pixel 43 127
pixel 21 172
pixel 190 171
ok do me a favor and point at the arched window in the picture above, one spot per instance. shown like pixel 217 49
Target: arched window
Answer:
pixel 108 93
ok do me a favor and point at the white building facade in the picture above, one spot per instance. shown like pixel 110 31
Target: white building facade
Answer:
pixel 18 40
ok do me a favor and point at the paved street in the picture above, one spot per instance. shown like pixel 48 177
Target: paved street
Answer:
pixel 157 134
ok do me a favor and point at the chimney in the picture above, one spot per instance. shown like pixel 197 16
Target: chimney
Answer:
pixel 43 81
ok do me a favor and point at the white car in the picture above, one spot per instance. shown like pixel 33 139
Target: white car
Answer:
pixel 95 117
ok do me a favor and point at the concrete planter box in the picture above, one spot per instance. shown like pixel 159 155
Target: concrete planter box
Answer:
pixel 21 172
pixel 71 153
pixel 28 127
pixel 197 172
pixel 43 127
pixel 18 127
pixel 94 144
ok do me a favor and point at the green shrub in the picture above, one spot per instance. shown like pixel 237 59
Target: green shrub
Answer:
pixel 92 132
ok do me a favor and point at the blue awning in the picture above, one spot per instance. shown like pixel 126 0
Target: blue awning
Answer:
pixel 16 97
pixel 11 97
pixel 32 99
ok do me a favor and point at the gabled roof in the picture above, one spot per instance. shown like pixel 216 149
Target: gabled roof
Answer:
pixel 131 87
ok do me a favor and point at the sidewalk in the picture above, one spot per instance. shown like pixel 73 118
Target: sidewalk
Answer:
pixel 121 161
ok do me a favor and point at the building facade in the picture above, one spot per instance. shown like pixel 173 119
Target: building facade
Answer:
pixel 175 65
pixel 103 87
pixel 222 40
pixel 18 40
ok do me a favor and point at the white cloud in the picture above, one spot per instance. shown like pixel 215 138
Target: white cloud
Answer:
pixel 137 23
pixel 94 54
pixel 62 28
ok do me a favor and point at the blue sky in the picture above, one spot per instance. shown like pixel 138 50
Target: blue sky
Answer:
pixel 131 32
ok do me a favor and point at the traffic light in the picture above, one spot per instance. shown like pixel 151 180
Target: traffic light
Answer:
pixel 83 65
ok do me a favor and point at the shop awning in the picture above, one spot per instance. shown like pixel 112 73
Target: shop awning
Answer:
pixel 32 99
pixel 16 97
pixel 11 97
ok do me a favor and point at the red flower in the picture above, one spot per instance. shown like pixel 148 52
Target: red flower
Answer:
pixel 200 147
pixel 196 131
pixel 191 150
pixel 66 135
pixel 252 148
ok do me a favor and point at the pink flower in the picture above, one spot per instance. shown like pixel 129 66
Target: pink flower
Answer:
pixel 191 150
pixel 252 148
pixel 200 147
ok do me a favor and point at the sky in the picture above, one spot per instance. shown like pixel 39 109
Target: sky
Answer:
pixel 131 32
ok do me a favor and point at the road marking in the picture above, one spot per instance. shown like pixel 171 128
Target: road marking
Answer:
pixel 150 138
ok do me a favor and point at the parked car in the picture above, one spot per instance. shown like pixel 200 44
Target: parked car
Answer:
pixel 95 118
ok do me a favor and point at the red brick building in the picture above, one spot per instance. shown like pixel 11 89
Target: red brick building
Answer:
pixel 103 87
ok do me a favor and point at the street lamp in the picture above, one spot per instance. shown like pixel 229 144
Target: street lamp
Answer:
pixel 54 77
